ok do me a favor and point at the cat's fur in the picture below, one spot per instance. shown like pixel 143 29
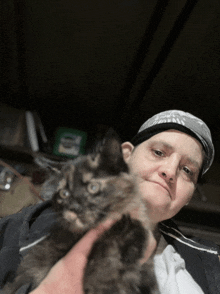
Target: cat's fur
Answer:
pixel 86 191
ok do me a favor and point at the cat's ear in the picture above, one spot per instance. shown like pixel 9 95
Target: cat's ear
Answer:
pixel 111 153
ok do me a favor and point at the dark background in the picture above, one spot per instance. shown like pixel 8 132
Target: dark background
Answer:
pixel 86 63
pixel 114 62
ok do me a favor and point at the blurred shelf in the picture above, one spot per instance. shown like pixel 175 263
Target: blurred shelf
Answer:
pixel 204 206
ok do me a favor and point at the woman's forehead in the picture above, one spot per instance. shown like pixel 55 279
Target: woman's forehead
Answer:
pixel 172 135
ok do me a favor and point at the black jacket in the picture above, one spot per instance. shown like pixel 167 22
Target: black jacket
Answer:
pixel 23 230
pixel 201 257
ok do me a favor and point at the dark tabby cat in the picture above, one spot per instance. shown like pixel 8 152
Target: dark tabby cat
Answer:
pixel 86 191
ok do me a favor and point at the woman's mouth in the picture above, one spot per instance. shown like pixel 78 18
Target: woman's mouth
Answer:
pixel 162 186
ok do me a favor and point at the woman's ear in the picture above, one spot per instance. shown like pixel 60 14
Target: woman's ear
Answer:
pixel 127 149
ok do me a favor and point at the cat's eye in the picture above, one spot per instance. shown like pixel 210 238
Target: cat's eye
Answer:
pixel 64 193
pixel 93 187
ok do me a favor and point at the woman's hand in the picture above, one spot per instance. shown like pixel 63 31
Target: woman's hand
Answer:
pixel 66 276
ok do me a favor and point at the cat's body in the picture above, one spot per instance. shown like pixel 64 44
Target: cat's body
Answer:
pixel 86 191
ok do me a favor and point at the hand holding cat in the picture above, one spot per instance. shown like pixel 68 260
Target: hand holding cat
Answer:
pixel 67 274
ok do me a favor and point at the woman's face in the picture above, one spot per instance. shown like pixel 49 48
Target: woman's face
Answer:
pixel 167 167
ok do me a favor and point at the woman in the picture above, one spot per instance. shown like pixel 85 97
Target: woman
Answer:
pixel 168 155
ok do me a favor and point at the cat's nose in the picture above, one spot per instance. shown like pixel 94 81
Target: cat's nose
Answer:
pixel 76 207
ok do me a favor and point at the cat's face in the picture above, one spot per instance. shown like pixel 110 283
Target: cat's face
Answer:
pixel 94 186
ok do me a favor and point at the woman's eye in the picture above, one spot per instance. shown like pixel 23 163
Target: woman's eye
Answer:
pixel 64 193
pixel 93 188
pixel 187 170
pixel 158 153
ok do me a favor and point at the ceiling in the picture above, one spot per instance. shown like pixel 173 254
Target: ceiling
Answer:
pixel 112 62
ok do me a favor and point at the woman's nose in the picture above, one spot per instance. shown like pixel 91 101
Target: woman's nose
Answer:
pixel 169 169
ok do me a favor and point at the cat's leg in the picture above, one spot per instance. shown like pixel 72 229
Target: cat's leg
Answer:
pixel 114 263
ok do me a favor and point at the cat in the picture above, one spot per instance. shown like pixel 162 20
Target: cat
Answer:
pixel 85 191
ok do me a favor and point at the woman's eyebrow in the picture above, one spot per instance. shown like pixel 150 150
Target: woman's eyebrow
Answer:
pixel 165 144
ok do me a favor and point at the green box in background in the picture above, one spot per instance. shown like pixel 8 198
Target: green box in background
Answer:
pixel 69 142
